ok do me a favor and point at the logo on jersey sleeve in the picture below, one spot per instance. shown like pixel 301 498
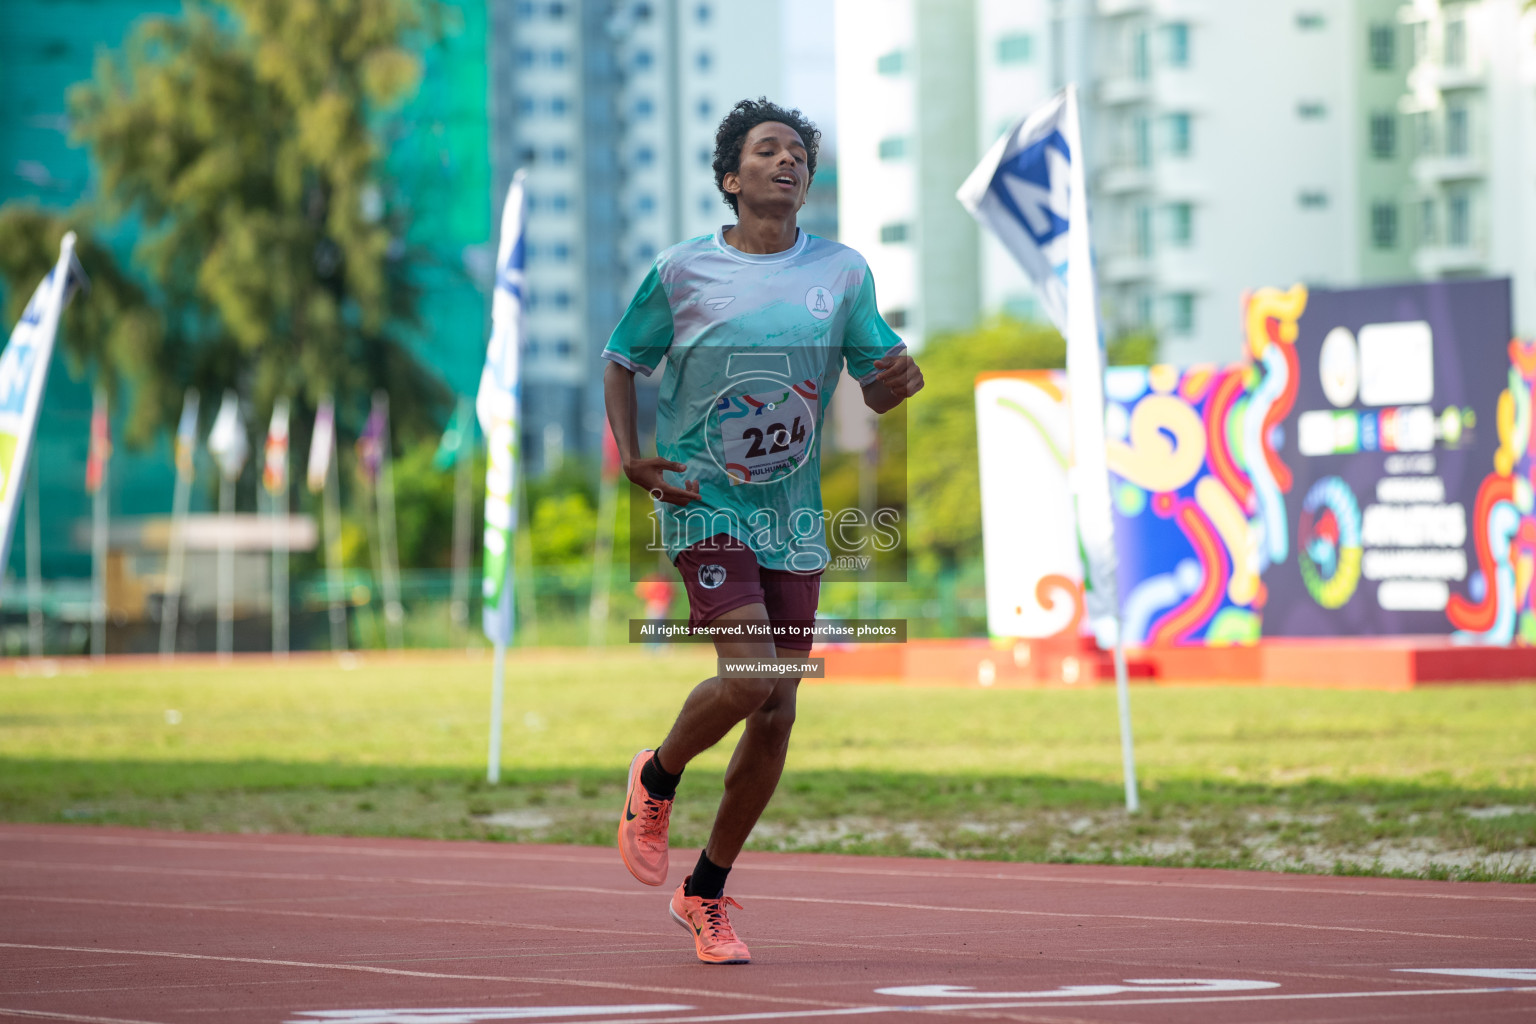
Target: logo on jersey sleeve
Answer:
pixel 819 302
pixel 711 576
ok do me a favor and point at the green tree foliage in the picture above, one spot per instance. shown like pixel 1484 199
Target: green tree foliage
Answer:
pixel 942 467
pixel 241 136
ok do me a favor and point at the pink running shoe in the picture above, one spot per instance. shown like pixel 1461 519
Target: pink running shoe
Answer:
pixel 643 828
pixel 713 937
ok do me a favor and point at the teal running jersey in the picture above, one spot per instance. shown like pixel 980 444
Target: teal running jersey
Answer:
pixel 754 347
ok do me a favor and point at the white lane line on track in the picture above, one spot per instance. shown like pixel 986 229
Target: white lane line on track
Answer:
pixel 459 922
pixel 11 1011
pixel 877 904
pixel 500 979
pixel 514 853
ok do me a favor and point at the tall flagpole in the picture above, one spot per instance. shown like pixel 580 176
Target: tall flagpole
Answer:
pixel 1030 191
pixel 181 498
pixel 274 479
pixel 496 406
pixel 34 564
pixel 389 553
pixel 99 513
pixel 228 445
pixel 463 493
pixel 330 502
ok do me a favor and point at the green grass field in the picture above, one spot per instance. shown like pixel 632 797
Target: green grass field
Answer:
pixel 1434 783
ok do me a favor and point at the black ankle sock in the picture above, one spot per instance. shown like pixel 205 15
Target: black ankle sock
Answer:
pixel 660 783
pixel 707 880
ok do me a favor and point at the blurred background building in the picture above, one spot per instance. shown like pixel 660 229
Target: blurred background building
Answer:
pixel 1337 143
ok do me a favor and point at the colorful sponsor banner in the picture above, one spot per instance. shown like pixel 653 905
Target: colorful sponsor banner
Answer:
pixel 1029 531
pixel 1186 526
pixel 24 377
pixel 226 438
pixel 274 463
pixel 496 407
pixel 186 433
pixel 322 445
pixel 1405 397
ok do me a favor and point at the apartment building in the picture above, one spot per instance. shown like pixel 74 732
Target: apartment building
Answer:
pixel 612 107
pixel 1228 146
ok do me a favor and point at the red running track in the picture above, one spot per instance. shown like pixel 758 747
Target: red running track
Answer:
pixel 112 926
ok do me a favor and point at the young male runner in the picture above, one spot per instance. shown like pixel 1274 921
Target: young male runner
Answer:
pixel 756 322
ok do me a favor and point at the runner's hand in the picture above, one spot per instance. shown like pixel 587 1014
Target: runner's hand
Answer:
pixel 646 474
pixel 900 375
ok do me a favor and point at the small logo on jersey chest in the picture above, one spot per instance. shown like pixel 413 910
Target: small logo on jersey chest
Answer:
pixel 819 302
pixel 719 302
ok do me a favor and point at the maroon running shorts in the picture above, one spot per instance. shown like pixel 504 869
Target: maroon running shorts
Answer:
pixel 722 573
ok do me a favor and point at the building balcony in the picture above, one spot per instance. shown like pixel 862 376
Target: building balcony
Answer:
pixel 1124 268
pixel 1443 260
pixel 1117 8
pixel 1119 90
pixel 1123 178
pixel 1472 75
pixel 1435 170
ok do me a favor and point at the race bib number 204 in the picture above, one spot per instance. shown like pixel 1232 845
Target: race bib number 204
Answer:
pixel 764 427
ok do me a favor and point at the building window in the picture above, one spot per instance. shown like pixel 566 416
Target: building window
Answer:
pixel 1180 223
pixel 557 11
pixel 896 318
pixel 1311 110
pixel 1429 224
pixel 1384 225
pixel 1458 219
pixel 1181 313
pixel 1018 48
pixel 1424 133
pixel 891 234
pixel 1383 46
pixel 560 252
pixel 702 14
pixel 893 148
pixel 706 157
pixel 644 108
pixel 893 63
pixel 563 347
pixel 1176 44
pixel 1176 134
pixel 645 156
pixel 1141 141
pixel 1313 200
pixel 557 58
pixel 1143 237
pixel 643 60
pixel 705 108
pixel 525 57
pixel 1141 63
pixel 1309 21
pixel 558 106
pixel 526 106
pixel 706 205
pixel 645 204
pixel 561 299
pixel 1456 43
pixel 1384 135
pixel 1457 130
pixel 645 251
pixel 559 202
pixel 525 9
pixel 702 60
pixel 558 154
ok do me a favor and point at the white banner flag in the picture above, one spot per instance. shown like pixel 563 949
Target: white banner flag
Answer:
pixel 321 443
pixel 226 441
pixel 24 377
pixel 1029 191
pixel 496 407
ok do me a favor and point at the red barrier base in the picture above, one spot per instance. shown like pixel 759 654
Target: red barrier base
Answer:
pixel 1396 663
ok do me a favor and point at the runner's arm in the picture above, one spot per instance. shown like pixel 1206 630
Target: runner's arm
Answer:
pixel 899 378
pixel 619 398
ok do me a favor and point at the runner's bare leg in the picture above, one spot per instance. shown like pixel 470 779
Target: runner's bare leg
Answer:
pixel 712 710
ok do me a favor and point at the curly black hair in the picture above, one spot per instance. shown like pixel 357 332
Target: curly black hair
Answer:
pixel 731 136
